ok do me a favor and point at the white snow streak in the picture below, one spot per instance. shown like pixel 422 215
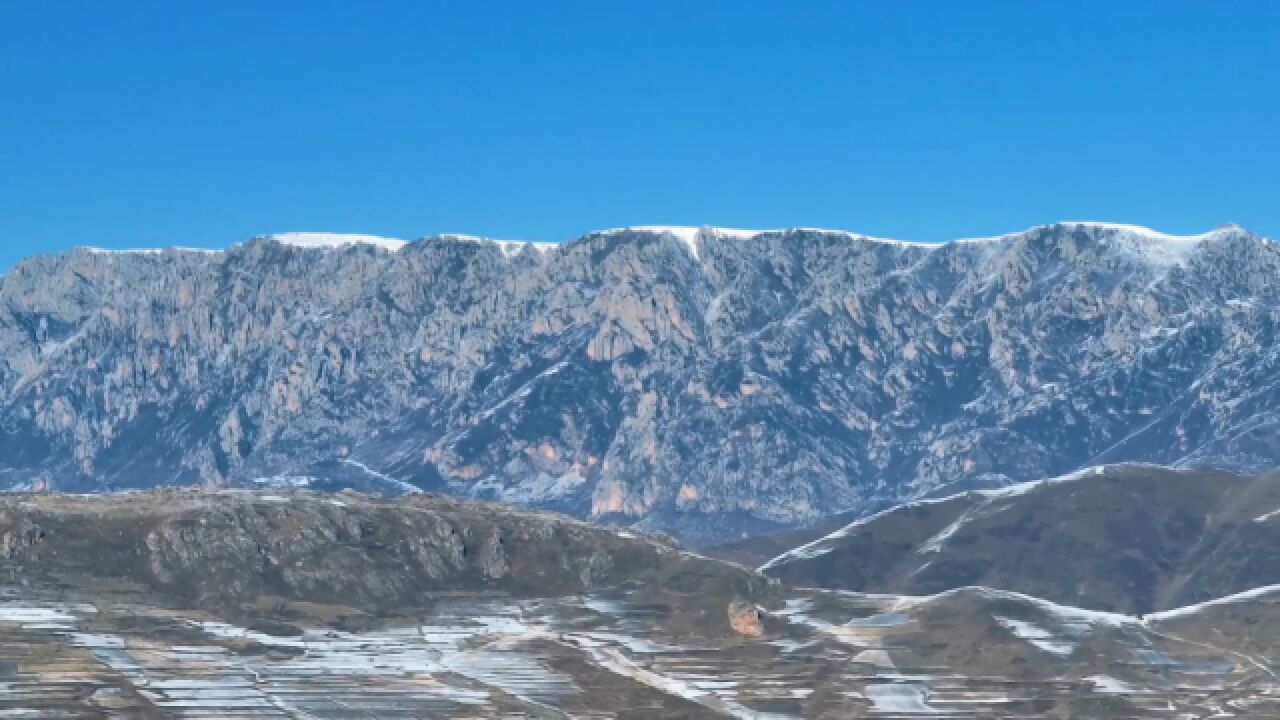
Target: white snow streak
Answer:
pixel 1259 593
pixel 1266 517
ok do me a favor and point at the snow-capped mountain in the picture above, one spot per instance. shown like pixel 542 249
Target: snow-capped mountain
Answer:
pixel 702 381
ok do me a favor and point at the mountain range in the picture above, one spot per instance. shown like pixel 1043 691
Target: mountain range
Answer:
pixel 703 382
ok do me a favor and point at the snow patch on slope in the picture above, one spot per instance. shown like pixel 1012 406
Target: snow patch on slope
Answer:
pixel 398 484
pixel 689 235
pixel 900 698
pixel 1045 640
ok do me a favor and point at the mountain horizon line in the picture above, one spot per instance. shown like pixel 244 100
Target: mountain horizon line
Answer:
pixel 687 233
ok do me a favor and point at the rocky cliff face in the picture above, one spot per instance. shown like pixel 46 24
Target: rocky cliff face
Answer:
pixel 704 382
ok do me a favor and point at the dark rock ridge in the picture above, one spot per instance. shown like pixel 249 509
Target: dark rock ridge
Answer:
pixel 225 550
pixel 703 382
pixel 1130 539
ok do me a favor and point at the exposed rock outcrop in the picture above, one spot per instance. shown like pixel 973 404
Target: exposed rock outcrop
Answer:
pixel 702 382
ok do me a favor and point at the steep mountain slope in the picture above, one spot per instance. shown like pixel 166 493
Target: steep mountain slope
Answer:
pixel 1129 539
pixel 704 382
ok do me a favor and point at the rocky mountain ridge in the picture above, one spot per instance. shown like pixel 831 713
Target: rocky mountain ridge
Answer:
pixel 702 381
pixel 230 552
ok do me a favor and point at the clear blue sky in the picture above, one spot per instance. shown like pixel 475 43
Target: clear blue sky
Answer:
pixel 202 123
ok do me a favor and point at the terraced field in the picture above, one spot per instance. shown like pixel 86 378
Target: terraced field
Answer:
pixel 307 606
pixel 965 654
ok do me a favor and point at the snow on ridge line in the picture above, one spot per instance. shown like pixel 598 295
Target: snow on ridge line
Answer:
pixel 1240 597
pixel 1136 230
pixel 1150 233
pixel 1023 488
pixel 907 602
pixel 305 240
pixel 689 234
pixel 685 232
pixel 1160 248
pixel 1068 612
pixel 814 548
pixel 1056 609
pixel 333 240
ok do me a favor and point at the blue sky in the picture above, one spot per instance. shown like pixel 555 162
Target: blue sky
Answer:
pixel 201 124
